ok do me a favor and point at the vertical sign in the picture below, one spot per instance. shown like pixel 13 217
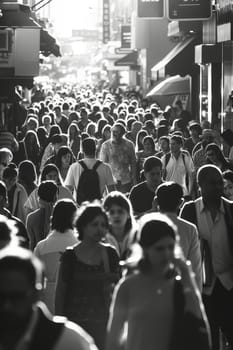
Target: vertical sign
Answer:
pixel 189 9
pixel 125 36
pixel 106 21
pixel 150 8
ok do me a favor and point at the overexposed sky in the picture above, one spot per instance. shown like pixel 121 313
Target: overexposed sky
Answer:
pixel 74 14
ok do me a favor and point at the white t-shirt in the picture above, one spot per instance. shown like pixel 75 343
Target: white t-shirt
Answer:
pixel 104 171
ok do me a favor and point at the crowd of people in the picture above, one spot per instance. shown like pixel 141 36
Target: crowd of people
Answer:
pixel 118 216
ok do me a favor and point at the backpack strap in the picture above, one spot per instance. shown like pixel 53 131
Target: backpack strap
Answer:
pixel 83 164
pixel 97 164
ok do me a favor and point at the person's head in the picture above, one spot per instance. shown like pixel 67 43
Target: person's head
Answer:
pixel 51 172
pixel 57 111
pixel 152 168
pixel 176 143
pixel 157 236
pixel 89 147
pixel 119 210
pixel 46 120
pixel 214 154
pixel 207 137
pixel 139 139
pixel 164 144
pixel 27 172
pixel 150 127
pixel 136 127
pixel 210 181
pixel 55 130
pixel 162 131
pixel 91 222
pixel 63 215
pixel 106 132
pixel 102 122
pixel 6 157
pixel 228 184
pixel 10 176
pixel 169 196
pixel 148 144
pixel 47 191
pixel 57 142
pixel 21 282
pixel 118 131
pixel 32 123
pixel 195 130
pixel 64 157
pixel 91 129
pixel 42 136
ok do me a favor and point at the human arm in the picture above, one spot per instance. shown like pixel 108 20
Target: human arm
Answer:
pixel 30 232
pixel 194 255
pixel 117 318
pixel 104 153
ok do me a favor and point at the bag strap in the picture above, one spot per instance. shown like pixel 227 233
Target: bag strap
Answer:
pixel 83 165
pixel 97 164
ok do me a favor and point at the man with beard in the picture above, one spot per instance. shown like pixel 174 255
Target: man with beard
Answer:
pixel 24 324
pixel 213 215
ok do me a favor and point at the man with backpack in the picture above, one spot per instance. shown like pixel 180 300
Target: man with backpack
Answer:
pixel 90 177
pixel 178 165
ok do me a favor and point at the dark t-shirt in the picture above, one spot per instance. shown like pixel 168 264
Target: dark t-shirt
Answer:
pixel 141 198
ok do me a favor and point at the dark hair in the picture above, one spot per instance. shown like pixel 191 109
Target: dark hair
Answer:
pixel 100 125
pixel 86 214
pixel 42 136
pixel 89 146
pixel 47 191
pixel 63 215
pixel 216 149
pixel 162 131
pixel 63 150
pixel 118 198
pixel 151 140
pixel 148 116
pixel 227 136
pixel 205 171
pixel 151 162
pixel 9 173
pixel 120 126
pixel 169 195
pixel 54 130
pixel 228 175
pixel 139 144
pixel 105 128
pixel 197 127
pixel 177 138
pixel 56 139
pixel 152 228
pixel 20 259
pixel 27 172
pixel 48 169
pixel 32 134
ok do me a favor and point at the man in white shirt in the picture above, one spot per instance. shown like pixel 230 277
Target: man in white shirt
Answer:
pixel 169 199
pixel 178 165
pixel 213 215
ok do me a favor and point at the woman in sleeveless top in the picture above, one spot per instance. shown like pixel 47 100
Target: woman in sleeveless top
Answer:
pixel 86 275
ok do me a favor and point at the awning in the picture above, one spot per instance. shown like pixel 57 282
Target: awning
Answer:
pixel 130 60
pixel 180 60
pixel 167 90
pixel 17 15
pixel 48 44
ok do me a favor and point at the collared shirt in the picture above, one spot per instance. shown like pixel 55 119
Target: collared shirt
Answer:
pixel 215 232
pixel 121 158
pixel 176 169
